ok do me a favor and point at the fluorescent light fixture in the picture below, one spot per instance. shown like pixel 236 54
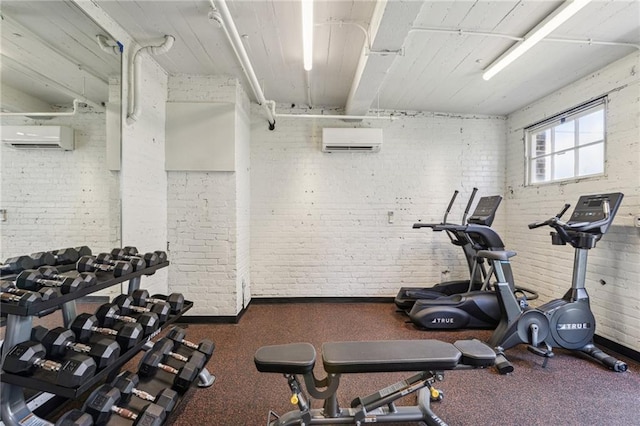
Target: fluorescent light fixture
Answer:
pixel 543 29
pixel 307 33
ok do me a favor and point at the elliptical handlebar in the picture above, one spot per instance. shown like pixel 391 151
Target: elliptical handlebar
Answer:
pixel 446 213
pixel 466 210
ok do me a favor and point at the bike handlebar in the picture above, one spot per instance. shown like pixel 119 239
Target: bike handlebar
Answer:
pixel 553 221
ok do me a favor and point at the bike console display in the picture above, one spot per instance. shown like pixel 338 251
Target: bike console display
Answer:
pixel 485 211
pixel 595 213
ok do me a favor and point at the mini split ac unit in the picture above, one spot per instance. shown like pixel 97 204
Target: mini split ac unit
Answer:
pixel 351 139
pixel 33 137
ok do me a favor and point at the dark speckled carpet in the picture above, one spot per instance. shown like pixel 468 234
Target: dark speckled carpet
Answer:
pixel 570 391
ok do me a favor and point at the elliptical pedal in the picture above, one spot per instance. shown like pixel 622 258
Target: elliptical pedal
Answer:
pixel 546 353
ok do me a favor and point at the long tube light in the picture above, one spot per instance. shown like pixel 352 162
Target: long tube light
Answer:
pixel 544 28
pixel 307 33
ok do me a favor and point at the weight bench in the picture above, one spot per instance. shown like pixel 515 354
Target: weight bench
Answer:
pixel 428 357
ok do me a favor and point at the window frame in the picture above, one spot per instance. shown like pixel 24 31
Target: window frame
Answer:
pixel 573 114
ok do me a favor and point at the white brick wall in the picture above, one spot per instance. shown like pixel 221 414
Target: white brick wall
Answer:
pixel 319 221
pixel 243 201
pixel 144 180
pixel 57 199
pixel 208 213
pixel 616 259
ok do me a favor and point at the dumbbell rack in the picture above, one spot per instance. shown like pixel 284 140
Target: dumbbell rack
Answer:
pixel 13 406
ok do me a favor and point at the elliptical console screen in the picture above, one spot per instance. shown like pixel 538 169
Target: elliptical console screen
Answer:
pixel 485 211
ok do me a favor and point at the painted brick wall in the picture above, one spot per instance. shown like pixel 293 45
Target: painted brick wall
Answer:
pixel 57 199
pixel 616 259
pixel 144 180
pixel 208 213
pixel 243 200
pixel 319 224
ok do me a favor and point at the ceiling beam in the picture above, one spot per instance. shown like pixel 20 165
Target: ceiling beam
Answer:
pixel 390 26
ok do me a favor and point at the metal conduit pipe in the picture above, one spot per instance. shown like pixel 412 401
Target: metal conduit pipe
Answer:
pixel 331 116
pixel 135 68
pixel 224 18
pixel 102 42
pixel 44 115
pixel 517 38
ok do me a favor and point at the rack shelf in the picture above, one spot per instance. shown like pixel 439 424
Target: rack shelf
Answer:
pixel 39 380
pixel 105 280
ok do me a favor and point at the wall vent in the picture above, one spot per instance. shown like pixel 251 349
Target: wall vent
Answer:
pixel 348 139
pixel 38 137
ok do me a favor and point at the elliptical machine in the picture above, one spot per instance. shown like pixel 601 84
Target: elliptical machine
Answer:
pixel 567 322
pixel 484 214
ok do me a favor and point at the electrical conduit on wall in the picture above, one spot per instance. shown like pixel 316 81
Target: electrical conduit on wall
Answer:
pixel 135 72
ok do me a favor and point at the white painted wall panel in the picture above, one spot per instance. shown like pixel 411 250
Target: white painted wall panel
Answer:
pixel 200 136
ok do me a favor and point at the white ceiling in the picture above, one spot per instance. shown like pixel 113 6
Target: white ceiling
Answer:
pixel 436 71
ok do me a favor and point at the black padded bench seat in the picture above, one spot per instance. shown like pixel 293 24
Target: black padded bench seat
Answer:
pixel 389 355
pixel 292 358
pixel 374 356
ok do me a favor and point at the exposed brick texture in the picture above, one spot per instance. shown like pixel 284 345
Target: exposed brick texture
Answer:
pixel 319 221
pixel 614 265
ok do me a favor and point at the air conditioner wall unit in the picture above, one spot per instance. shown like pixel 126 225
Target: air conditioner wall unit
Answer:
pixel 38 137
pixel 351 139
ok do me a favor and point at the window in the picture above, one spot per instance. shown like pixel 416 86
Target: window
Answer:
pixel 567 146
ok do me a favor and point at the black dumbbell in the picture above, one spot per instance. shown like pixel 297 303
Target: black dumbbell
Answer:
pixel 42 258
pixel 52 273
pixel 24 357
pixel 17 264
pixel 178 334
pixel 58 340
pixel 44 293
pixel 109 313
pixel 152 361
pixel 64 256
pixel 175 300
pixel 38 332
pixel 102 403
pixel 132 251
pixel 126 383
pixel 75 417
pixel 165 347
pixel 83 251
pixel 127 336
pixel 137 263
pixel 150 259
pixel 89 264
pixel 25 299
pixel 126 305
pixel 31 279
